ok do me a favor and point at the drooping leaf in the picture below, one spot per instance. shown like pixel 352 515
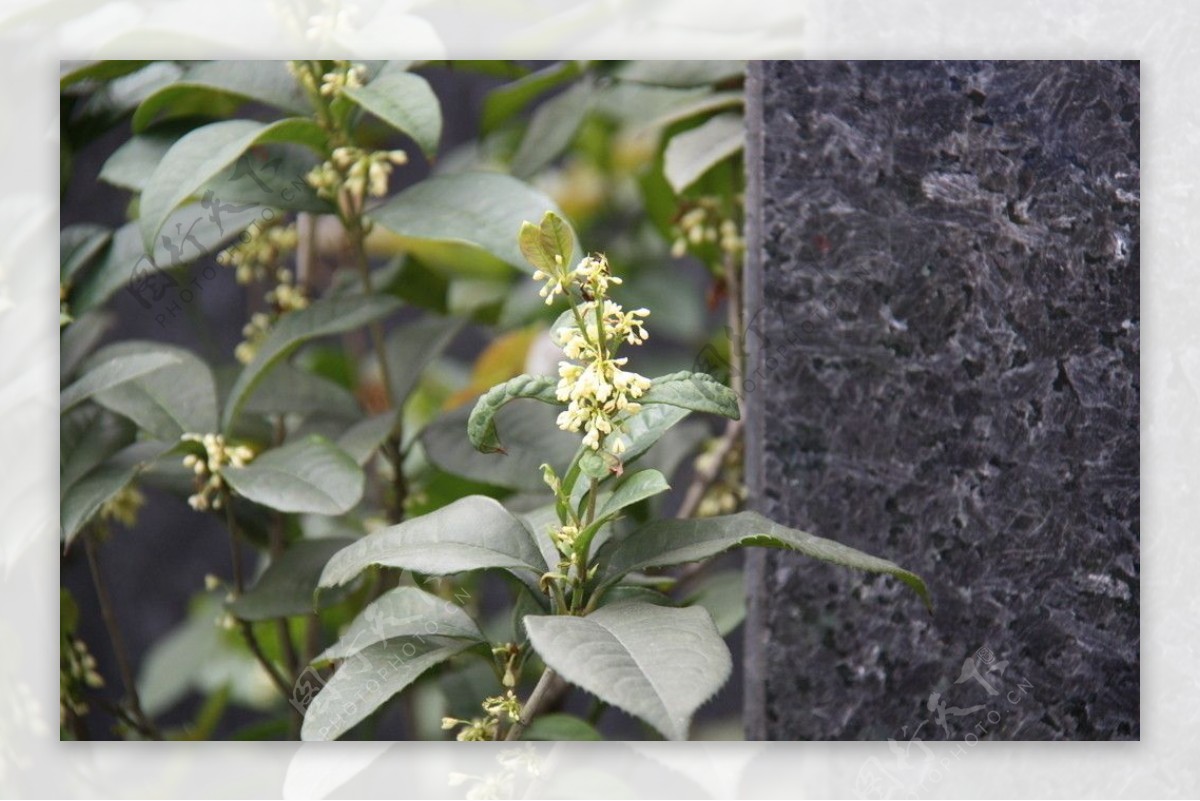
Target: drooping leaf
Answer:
pixel 209 82
pixel 481 426
pixel 112 373
pixel 403 612
pixel 696 392
pixel 474 533
pixel 286 587
pixel 559 726
pixel 202 154
pixel 655 662
pixel 78 340
pixel 694 152
pixel 482 211
pixel 169 402
pixel 671 542
pixel 369 678
pixel 551 129
pixel 322 318
pixel 407 103
pixel 308 475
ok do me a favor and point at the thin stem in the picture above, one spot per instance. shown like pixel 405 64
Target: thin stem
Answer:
pixel 537 699
pixel 144 723
pixel 239 586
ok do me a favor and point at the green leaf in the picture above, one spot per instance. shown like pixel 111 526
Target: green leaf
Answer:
pixel 481 426
pixel 655 662
pixel 84 498
pixel 559 726
pixel 113 372
pixel 412 346
pixel 131 165
pixel 672 542
pixel 203 154
pixel 531 438
pixel 287 389
pixel 87 436
pixel 78 246
pixel 692 153
pixel 482 211
pixel 77 341
pixel 370 678
pixel 168 402
pixel 696 392
pixel 723 594
pixel 75 71
pixel 407 103
pixel 474 533
pixel 403 612
pixel 210 83
pixel 633 488
pixel 508 100
pixel 309 475
pixel 199 655
pixel 286 587
pixel 362 439
pixel 680 73
pixel 322 318
pixel 541 243
pixel 551 129
pixel 196 235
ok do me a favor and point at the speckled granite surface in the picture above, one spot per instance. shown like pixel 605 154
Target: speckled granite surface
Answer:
pixel 945 373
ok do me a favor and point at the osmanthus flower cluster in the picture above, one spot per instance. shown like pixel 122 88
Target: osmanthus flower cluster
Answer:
pixel 599 393
pixel 592 613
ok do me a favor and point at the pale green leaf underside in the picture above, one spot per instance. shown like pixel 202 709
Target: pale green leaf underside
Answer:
pixel 322 318
pixel 694 152
pixel 407 103
pixel 403 612
pixel 264 81
pixel 671 542
pixel 311 475
pixel 202 154
pixel 473 533
pixel 369 678
pixel 655 662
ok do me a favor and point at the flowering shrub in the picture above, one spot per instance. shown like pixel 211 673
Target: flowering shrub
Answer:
pixel 466 542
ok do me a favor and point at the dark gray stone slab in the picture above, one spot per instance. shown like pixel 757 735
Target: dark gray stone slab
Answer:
pixel 943 295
